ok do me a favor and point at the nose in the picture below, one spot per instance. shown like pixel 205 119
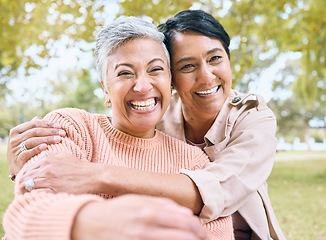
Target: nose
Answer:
pixel 206 74
pixel 143 84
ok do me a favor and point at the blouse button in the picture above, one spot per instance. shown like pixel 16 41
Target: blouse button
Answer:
pixel 236 99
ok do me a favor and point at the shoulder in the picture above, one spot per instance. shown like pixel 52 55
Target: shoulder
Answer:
pixel 72 116
pixel 252 100
pixel 250 111
pixel 249 103
pixel 68 112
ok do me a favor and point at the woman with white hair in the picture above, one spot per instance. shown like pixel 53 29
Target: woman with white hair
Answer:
pixel 134 71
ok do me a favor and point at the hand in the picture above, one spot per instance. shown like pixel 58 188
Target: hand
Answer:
pixel 38 134
pixel 133 217
pixel 61 172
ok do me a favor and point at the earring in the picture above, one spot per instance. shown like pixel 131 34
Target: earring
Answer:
pixel 172 88
pixel 107 104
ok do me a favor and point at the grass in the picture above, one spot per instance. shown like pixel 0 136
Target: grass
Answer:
pixel 297 190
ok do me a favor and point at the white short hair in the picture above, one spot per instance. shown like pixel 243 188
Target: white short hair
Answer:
pixel 119 31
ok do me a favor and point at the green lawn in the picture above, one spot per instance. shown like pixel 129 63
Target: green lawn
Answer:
pixel 297 190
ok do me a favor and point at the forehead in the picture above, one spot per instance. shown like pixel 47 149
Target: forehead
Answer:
pixel 192 42
pixel 139 49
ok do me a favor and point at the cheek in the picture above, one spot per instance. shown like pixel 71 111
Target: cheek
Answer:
pixel 179 81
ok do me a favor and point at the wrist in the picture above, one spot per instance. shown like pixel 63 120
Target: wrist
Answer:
pixel 105 180
pixel 81 221
pixel 113 180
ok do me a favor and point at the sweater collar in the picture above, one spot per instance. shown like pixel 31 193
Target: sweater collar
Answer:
pixel 125 138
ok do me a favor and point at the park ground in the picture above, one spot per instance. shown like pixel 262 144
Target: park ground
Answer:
pixel 297 188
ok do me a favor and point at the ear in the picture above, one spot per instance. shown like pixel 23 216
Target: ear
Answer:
pixel 106 93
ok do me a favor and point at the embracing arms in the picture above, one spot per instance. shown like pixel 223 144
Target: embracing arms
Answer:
pixel 240 165
pixel 76 216
pixel 113 180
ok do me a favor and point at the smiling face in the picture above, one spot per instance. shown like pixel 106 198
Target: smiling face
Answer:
pixel 201 74
pixel 138 83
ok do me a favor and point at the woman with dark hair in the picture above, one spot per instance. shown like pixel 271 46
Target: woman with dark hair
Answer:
pixel 236 130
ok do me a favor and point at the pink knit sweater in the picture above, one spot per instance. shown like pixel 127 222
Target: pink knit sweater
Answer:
pixel 91 137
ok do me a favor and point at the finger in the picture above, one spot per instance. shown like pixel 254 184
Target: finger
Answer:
pixel 42 132
pixel 36 118
pixel 24 156
pixel 39 185
pixel 47 190
pixel 171 215
pixel 34 123
pixel 30 172
pixel 34 142
pixel 178 221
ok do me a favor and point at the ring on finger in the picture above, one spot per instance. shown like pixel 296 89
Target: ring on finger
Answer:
pixel 22 146
pixel 29 185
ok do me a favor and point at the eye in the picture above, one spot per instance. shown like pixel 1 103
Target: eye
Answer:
pixel 188 68
pixel 215 59
pixel 124 73
pixel 155 69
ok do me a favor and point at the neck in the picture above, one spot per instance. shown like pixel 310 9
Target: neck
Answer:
pixel 136 131
pixel 196 128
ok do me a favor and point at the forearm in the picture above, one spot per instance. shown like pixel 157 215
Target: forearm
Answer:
pixel 48 216
pixel 242 165
pixel 118 181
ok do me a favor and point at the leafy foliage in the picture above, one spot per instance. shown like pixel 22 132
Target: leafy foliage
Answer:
pixel 260 32
pixel 26 23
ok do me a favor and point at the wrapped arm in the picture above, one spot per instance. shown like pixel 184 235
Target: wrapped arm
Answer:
pixel 239 165
pixel 44 215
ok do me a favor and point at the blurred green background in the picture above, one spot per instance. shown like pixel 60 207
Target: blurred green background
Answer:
pixel 277 50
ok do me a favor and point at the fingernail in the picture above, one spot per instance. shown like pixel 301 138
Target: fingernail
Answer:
pixel 43 147
pixel 55 125
pixel 56 138
pixel 62 133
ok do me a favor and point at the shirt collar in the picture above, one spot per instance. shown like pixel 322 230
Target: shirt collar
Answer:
pixel 217 131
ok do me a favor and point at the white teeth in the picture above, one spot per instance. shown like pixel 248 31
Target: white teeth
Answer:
pixel 143 105
pixel 207 92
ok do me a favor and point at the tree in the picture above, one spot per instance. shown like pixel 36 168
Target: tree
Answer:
pixel 40 23
pixel 260 31
pixel 81 93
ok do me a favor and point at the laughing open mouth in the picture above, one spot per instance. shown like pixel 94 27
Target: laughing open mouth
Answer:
pixel 208 92
pixel 143 105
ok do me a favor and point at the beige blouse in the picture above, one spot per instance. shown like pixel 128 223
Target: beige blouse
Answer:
pixel 241 145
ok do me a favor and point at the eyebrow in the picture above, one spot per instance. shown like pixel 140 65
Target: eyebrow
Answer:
pixel 207 53
pixel 130 65
pixel 122 64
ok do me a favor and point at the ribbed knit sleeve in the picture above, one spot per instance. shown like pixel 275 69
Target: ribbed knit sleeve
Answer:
pixel 76 124
pixel 41 215
pixel 220 229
